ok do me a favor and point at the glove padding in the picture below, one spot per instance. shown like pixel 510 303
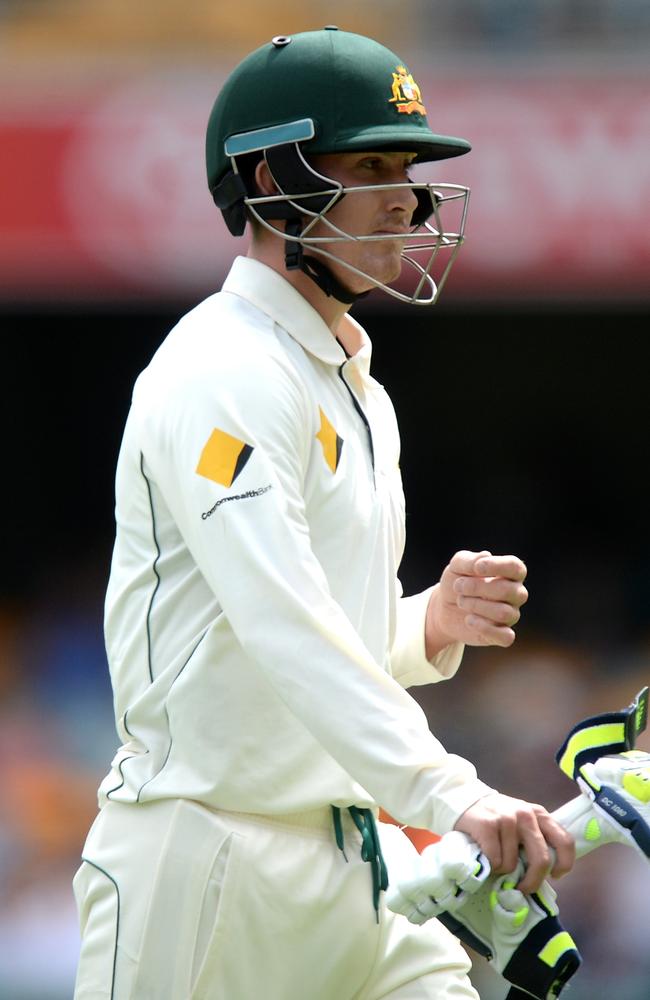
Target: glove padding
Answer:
pixel 614 806
pixel 444 875
pixel 519 934
pixel 613 777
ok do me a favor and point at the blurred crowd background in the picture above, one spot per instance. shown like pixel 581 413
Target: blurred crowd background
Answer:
pixel 522 396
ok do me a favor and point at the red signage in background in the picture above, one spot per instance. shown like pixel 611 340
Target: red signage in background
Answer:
pixel 105 196
pixel 560 181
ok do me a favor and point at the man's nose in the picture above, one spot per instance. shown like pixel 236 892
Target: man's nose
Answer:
pixel 403 197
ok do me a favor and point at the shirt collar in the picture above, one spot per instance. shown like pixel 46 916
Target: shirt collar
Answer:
pixel 272 294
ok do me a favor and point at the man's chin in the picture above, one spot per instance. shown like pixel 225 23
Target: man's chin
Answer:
pixel 376 272
pixel 388 273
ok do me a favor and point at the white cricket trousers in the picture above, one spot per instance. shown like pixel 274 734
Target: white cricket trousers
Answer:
pixel 180 902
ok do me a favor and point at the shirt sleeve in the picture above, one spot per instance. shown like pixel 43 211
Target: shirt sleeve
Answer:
pixel 229 450
pixel 410 666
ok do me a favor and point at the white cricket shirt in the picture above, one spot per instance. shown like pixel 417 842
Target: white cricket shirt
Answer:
pixel 257 641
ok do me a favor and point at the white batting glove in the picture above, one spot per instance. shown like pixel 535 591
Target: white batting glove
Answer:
pixel 614 806
pixel 519 934
pixel 613 777
pixel 445 874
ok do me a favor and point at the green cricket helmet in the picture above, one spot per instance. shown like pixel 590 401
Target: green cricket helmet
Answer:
pixel 326 91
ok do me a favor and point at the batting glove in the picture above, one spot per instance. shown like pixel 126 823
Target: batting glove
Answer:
pixel 519 934
pixel 445 874
pixel 614 779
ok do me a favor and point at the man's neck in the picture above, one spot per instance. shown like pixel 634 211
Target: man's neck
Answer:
pixel 331 311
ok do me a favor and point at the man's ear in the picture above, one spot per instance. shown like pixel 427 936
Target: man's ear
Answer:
pixel 264 182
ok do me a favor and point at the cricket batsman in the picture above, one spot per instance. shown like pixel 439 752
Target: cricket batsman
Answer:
pixel 261 650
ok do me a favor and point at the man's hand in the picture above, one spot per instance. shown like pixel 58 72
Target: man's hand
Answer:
pixel 477 602
pixel 503 827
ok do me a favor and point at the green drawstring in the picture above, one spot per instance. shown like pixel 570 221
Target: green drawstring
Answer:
pixel 370 847
pixel 338 830
pixel 371 851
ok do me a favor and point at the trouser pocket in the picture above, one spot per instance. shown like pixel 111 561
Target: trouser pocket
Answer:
pixel 182 946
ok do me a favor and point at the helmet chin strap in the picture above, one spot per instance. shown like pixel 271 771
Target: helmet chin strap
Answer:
pixel 295 176
pixel 317 270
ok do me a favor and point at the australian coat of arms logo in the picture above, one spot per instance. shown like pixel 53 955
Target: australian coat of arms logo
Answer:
pixel 406 93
